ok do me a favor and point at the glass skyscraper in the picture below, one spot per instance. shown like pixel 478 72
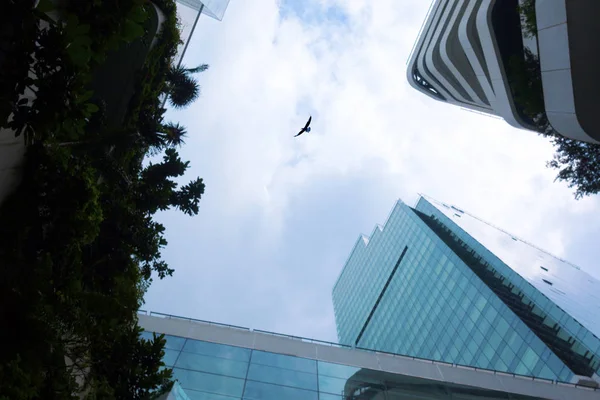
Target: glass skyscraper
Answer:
pixel 220 362
pixel 438 283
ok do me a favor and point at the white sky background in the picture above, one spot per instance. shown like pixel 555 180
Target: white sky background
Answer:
pixel 281 214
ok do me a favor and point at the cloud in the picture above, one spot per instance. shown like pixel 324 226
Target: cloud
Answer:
pixel 281 214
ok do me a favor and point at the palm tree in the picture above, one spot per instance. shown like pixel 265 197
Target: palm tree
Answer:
pixel 159 136
pixel 172 134
pixel 182 88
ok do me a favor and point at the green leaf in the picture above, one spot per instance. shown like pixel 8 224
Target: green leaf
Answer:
pixel 79 55
pixel 85 96
pixel 84 41
pixel 45 6
pixel 82 29
pixel 132 30
pixel 138 14
pixel 72 20
pixel 91 108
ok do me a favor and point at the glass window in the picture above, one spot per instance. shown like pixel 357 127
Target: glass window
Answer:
pixel 555 363
pixel 215 365
pixel 500 366
pixel 522 369
pixel 217 350
pixel 331 385
pixel 502 327
pixel 147 335
pixel 286 377
pixel 282 361
pixel 209 382
pixel 495 340
pixel 267 391
pixel 530 358
pixel 170 357
pixel 174 342
pixel 565 375
pixel 327 396
pixel 547 373
pixel 337 370
pixel 195 395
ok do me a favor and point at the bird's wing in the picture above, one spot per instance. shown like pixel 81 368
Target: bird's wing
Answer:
pixel 308 122
pixel 300 133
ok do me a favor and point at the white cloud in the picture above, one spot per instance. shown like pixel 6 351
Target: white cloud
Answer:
pixel 374 139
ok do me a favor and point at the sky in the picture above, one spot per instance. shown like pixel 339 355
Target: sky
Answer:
pixel 281 215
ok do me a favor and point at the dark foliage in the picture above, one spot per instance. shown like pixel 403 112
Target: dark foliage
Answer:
pixel 79 244
pixel 182 87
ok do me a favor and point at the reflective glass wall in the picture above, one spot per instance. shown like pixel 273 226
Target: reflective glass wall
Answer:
pixel 210 371
pixel 430 304
pixel 563 299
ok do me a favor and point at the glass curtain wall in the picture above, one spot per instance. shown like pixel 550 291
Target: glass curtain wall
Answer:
pixel 210 371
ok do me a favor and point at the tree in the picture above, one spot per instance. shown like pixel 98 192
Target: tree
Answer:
pixel 528 19
pixel 126 366
pixel 159 136
pixel 172 134
pixel 578 164
pixel 181 87
pixel 158 190
pixel 78 239
pixel 153 134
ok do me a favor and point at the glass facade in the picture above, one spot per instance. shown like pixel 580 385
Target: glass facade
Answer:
pixel 211 371
pixel 213 8
pixel 424 287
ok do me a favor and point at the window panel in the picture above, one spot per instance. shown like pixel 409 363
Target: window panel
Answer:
pixel 283 361
pixel 266 391
pixel 196 395
pixel 174 342
pixel 221 366
pixel 170 357
pixel 217 350
pixel 331 385
pixel 329 396
pixel 530 358
pixel 209 382
pixel 285 377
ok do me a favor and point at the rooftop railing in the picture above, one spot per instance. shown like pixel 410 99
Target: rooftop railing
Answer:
pixel 201 321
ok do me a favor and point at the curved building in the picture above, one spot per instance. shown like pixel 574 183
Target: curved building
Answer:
pixel 533 70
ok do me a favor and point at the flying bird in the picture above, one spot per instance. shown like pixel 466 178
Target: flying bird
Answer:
pixel 306 127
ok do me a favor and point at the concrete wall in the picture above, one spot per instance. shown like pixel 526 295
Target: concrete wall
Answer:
pixel 569 41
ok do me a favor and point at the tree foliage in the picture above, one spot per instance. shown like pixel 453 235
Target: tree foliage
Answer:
pixel 78 241
pixel 182 87
pixel 528 20
pixel 578 164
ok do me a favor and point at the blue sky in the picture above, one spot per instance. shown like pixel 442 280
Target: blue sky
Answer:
pixel 281 214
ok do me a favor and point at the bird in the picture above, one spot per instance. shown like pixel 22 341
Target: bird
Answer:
pixel 306 127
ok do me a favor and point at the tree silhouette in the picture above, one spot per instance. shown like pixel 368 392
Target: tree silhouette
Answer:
pixel 182 88
pixel 158 189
